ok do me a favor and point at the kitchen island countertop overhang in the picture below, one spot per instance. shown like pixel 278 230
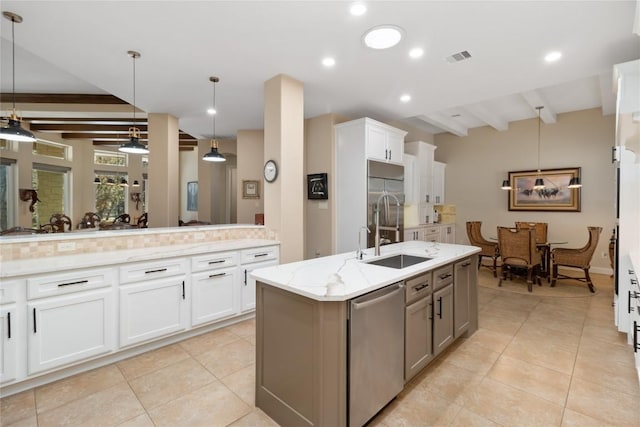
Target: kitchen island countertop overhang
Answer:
pixel 342 277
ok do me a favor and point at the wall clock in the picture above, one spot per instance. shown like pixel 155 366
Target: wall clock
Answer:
pixel 270 170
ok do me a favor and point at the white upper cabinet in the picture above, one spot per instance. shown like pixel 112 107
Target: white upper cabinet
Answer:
pixel 438 182
pixel 383 142
pixel 411 196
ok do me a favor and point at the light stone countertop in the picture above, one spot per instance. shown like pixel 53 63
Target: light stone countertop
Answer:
pixel 29 267
pixel 342 277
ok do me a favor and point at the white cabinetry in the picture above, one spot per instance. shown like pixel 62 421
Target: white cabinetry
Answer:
pixel 252 259
pixel 447 233
pixel 438 182
pixel 353 147
pixel 423 177
pixel 214 287
pixel 432 233
pixel 70 317
pixel 12 329
pixel 413 233
pixel 153 300
pixel 411 180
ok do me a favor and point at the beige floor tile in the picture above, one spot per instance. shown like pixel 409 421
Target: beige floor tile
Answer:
pixel 255 418
pixel 449 382
pixel 243 383
pixel 211 406
pixel 105 408
pixel 517 302
pixel 31 421
pixel 542 382
pixel 619 354
pixel 421 407
pixel 139 421
pixel 60 392
pixel 207 342
pixel 251 339
pixel 466 418
pixel 579 303
pixel 576 419
pixel 616 376
pixel 229 358
pixel 151 361
pixel 245 328
pixel 17 407
pixel 491 340
pixel 509 313
pixel 536 331
pixel 603 403
pixel 497 323
pixel 508 406
pixel 542 353
pixel 169 383
pixel 607 333
pixel 473 358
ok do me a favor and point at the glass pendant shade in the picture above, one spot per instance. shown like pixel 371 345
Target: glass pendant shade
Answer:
pixel 97 181
pixel 13 131
pixel 110 181
pixel 506 185
pixel 136 183
pixel 575 182
pixel 539 185
pixel 214 155
pixel 133 147
pixel 123 182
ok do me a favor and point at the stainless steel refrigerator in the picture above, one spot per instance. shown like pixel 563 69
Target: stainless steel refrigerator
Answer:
pixel 385 179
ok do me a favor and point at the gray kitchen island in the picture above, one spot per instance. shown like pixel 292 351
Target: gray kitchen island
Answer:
pixel 338 337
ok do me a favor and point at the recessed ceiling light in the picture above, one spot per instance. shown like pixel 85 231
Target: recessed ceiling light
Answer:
pixel 416 52
pixel 383 37
pixel 405 98
pixel 211 111
pixel 552 56
pixel 358 9
pixel 328 62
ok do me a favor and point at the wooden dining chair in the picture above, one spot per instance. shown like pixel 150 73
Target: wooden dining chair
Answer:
pixel 518 252
pixel 488 249
pixel 61 223
pixel 576 258
pixel 122 218
pixel 539 227
pixel 90 220
pixel 142 221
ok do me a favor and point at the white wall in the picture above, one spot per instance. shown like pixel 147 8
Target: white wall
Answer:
pixel 188 173
pixel 477 163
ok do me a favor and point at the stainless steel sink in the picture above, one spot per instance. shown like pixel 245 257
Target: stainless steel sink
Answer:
pixel 399 261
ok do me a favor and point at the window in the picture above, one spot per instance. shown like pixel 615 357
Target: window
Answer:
pixel 8 199
pixel 110 196
pixel 51 149
pixel 52 184
pixel 109 158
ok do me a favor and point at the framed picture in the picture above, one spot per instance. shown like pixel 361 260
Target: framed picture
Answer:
pixel 192 196
pixel 317 186
pixel 250 189
pixel 555 196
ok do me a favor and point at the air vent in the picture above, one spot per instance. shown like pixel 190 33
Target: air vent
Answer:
pixel 459 56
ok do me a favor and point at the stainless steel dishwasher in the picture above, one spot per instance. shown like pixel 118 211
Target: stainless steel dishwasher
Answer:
pixel 376 351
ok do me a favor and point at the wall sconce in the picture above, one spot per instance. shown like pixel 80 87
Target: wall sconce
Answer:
pixel 136 197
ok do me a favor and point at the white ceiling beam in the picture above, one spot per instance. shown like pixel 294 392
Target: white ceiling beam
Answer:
pixel 444 123
pixel 607 95
pixel 534 99
pixel 483 113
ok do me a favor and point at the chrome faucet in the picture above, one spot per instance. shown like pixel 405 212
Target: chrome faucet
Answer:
pixel 360 252
pixel 386 196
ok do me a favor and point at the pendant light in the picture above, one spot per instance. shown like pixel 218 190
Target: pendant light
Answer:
pixel 506 185
pixel 134 146
pixel 214 155
pixel 539 185
pixel 13 130
pixel 575 182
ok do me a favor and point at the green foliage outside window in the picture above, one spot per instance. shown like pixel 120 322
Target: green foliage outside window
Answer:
pixel 110 198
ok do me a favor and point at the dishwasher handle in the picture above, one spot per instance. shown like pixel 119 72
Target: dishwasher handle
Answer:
pixel 378 298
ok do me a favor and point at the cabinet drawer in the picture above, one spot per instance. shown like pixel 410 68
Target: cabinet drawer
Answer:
pixel 152 270
pixel 259 254
pixel 418 287
pixel 442 276
pixel 432 230
pixel 65 283
pixel 9 291
pixel 214 261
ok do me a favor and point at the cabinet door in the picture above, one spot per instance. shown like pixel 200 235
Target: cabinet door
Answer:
pixel 69 328
pixel 395 147
pixel 418 347
pixel 214 295
pixel 438 182
pixel 10 330
pixel 447 233
pixel 376 143
pixel 152 309
pixel 442 319
pixel 411 180
pixel 462 279
pixel 249 284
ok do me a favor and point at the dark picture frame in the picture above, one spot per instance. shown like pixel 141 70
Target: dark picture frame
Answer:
pixel 555 197
pixel 192 196
pixel 250 189
pixel 317 188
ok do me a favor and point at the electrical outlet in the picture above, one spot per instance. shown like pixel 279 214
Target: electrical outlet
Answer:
pixel 605 254
pixel 66 246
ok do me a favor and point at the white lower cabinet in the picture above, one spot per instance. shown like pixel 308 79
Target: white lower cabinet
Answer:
pixel 10 329
pixel 448 233
pixel 153 309
pixel 252 259
pixel 214 295
pixel 69 328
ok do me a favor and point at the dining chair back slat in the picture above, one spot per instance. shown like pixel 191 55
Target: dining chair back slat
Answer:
pixel 518 251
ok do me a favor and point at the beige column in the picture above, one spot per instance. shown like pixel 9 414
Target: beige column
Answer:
pixel 163 170
pixel 284 143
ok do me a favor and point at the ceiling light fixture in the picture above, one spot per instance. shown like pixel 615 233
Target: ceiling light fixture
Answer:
pixel 416 52
pixel 358 9
pixel 539 184
pixel 553 56
pixel 13 130
pixel 328 62
pixel 136 183
pixel 134 146
pixel 382 37
pixel 506 185
pixel 575 182
pixel 214 155
pixel 405 98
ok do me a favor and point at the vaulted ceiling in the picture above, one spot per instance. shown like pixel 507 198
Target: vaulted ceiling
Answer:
pixel 79 49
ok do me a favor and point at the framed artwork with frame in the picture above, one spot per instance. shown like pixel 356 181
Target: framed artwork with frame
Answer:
pixel 556 196
pixel 317 186
pixel 250 189
pixel 192 196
